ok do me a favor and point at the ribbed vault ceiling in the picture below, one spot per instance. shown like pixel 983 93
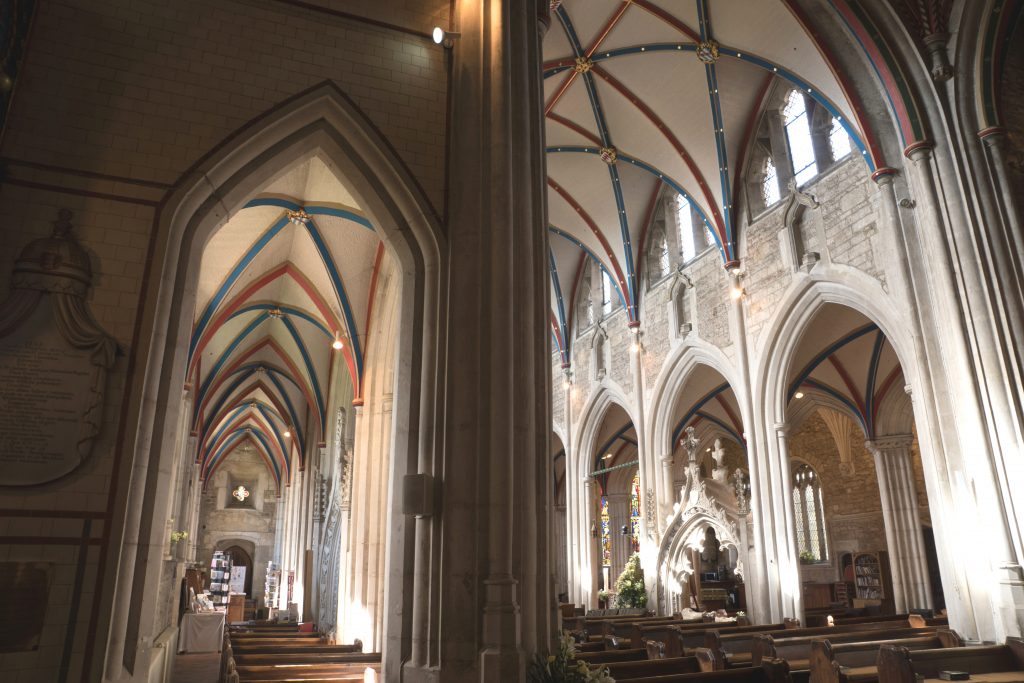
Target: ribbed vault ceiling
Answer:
pixel 645 93
pixel 282 280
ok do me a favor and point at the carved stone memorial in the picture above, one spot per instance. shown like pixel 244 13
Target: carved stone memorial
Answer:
pixel 54 360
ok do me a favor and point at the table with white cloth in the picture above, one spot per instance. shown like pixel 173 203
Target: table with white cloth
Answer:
pixel 201 632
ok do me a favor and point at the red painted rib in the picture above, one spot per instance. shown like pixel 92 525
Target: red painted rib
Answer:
pixel 674 141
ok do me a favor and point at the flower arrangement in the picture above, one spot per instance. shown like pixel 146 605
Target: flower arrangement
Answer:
pixel 562 667
pixel 630 585
pixel 177 536
pixel 807 557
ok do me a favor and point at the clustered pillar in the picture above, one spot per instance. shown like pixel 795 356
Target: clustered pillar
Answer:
pixel 904 537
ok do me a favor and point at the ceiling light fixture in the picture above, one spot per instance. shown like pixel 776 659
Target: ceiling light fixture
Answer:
pixel 798 394
pixel 337 344
pixel 737 292
pixel 444 38
pixel 287 434
pixel 608 456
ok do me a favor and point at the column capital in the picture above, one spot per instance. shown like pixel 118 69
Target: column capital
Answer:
pixel 884 444
pixel 782 428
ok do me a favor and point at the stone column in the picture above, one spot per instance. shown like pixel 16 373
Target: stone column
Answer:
pixel 783 516
pixel 592 555
pixel 618 515
pixel 903 535
pixel 483 600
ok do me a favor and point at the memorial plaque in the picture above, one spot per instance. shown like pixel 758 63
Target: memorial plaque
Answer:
pixel 23 609
pixel 54 360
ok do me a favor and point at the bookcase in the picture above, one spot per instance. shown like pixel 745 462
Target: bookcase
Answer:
pixel 867 574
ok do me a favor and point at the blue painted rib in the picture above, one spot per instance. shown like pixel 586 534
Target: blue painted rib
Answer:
pixel 869 399
pixel 607 444
pixel 342 296
pixel 613 173
pixel 230 280
pixel 842 398
pixel 671 182
pixel 721 423
pixel 310 370
pixel 693 410
pixel 562 322
pixel 761 63
pixel 290 310
pixel 211 376
pixel 832 348
pixel 615 283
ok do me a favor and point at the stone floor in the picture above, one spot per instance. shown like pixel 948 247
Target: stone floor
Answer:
pixel 197 668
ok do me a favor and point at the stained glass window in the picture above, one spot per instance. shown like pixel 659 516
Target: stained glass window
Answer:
pixel 606 534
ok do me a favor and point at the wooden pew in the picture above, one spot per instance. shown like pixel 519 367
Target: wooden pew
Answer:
pixel 737 649
pixel 609 656
pixel 657 667
pixel 684 641
pixel 834 662
pixel 631 629
pixel 771 672
pixel 797 651
pixel 985 664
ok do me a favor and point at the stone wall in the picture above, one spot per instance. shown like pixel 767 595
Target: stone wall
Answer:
pixel 223 520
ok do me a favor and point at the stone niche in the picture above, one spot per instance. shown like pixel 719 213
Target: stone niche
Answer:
pixel 54 361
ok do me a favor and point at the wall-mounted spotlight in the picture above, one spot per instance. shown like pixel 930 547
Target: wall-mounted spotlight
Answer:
pixel 737 292
pixel 798 394
pixel 287 434
pixel 444 38
pixel 337 344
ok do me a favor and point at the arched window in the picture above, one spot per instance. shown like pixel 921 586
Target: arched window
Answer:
pixel 798 135
pixel 797 140
pixel 606 534
pixel 634 512
pixel 607 294
pixel 770 186
pixel 810 515
pixel 585 302
pixel 694 234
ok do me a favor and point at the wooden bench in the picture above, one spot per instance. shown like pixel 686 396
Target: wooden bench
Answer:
pixel 609 656
pixel 835 662
pixel 680 642
pixel 648 668
pixel 771 672
pixel 797 649
pixel 737 649
pixel 985 664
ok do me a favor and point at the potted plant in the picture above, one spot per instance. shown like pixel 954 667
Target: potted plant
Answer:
pixel 807 557
pixel 178 544
pixel 602 599
pixel 630 585
pixel 562 666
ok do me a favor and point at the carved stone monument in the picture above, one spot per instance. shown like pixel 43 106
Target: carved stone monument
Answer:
pixel 54 360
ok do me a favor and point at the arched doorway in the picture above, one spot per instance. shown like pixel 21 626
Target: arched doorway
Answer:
pixel 240 558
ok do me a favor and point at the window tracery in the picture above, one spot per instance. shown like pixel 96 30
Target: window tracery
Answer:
pixel 797 140
pixel 810 515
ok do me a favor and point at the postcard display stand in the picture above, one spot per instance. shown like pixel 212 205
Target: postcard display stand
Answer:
pixel 220 576
pixel 271 585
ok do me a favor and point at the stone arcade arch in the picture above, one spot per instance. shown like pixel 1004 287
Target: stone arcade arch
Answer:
pixel 584 560
pixel 321 121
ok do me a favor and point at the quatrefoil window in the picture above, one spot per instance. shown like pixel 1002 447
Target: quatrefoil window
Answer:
pixel 240 493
